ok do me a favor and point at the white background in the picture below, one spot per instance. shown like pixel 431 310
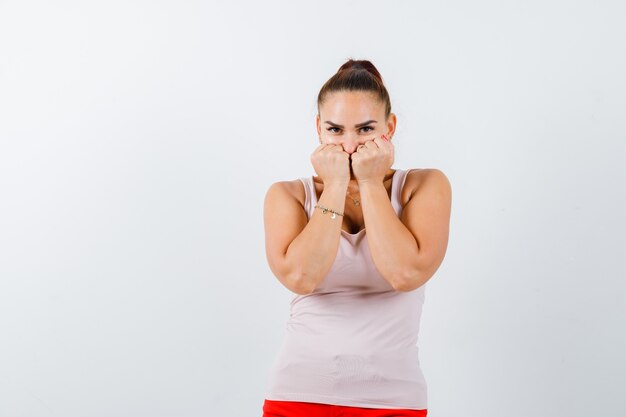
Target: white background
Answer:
pixel 138 139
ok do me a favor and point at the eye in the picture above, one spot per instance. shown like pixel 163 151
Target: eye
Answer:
pixel 368 127
pixel 331 129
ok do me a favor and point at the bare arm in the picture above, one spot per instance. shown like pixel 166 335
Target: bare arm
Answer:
pixel 408 250
pixel 300 254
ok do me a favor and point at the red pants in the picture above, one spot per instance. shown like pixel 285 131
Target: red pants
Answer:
pixel 273 408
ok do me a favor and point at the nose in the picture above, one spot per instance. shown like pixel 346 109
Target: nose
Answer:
pixel 351 144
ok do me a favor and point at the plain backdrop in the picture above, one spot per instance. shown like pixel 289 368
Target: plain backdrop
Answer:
pixel 138 139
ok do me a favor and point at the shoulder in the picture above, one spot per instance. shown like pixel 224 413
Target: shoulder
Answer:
pixel 287 190
pixel 419 180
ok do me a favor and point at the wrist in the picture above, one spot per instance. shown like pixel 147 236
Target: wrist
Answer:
pixel 369 183
pixel 338 184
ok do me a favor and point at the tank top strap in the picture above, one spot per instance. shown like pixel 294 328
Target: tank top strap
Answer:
pixel 309 192
pixel 396 189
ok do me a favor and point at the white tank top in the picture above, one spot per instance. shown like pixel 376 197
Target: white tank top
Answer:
pixel 353 340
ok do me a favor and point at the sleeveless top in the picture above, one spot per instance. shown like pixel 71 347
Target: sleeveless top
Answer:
pixel 353 340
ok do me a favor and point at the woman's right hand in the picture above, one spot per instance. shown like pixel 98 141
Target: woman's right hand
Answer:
pixel 331 163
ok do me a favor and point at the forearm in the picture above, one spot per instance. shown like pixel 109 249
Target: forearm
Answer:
pixel 393 248
pixel 314 250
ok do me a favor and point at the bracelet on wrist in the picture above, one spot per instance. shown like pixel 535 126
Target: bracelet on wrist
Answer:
pixel 325 209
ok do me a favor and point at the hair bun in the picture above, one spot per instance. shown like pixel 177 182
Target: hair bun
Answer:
pixel 356 75
pixel 361 64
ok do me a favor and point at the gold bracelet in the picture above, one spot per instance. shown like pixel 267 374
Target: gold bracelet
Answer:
pixel 324 210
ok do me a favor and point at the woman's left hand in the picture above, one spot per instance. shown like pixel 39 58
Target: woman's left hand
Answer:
pixel 371 161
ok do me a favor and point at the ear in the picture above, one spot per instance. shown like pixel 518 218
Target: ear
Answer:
pixel 391 125
pixel 317 125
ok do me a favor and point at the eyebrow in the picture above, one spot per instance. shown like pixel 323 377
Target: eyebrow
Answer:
pixel 357 125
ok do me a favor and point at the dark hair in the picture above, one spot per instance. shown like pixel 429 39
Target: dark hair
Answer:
pixel 356 75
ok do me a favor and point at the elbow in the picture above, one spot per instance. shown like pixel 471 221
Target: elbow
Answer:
pixel 301 284
pixel 410 281
pixel 302 289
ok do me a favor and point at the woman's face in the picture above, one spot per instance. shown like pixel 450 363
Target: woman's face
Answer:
pixel 350 118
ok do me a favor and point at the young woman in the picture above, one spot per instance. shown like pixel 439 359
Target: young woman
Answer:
pixel 351 343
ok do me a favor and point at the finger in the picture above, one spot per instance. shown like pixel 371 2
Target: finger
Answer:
pixel 320 147
pixel 336 148
pixel 327 147
pixel 374 143
pixel 381 141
